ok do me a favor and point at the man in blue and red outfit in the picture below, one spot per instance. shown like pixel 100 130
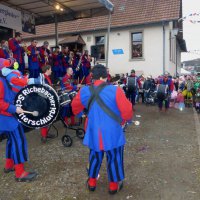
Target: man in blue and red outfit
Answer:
pixel 47 80
pixel 133 84
pixel 16 149
pixel 67 84
pixel 86 66
pixel 14 46
pixel 57 63
pixel 33 59
pixel 165 80
pixel 65 59
pixel 107 109
pixel 4 50
pixel 44 54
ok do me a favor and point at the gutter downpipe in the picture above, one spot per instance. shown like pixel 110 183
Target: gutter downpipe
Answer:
pixel 164 47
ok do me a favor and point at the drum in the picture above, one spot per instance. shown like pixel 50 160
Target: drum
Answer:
pixel 162 92
pixel 40 99
pixel 72 94
pixel 64 99
pixel 132 84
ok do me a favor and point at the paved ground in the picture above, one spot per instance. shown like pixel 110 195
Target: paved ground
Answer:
pixel 161 163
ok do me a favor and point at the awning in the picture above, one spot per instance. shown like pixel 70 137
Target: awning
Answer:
pixel 185 72
pixel 44 10
pixel 77 39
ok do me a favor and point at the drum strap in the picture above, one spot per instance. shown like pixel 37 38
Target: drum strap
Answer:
pixel 95 96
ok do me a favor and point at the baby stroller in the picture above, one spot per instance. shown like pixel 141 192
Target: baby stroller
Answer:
pixel 65 103
pixel 150 97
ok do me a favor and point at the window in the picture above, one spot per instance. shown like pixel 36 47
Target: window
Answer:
pixel 136 40
pixel 100 43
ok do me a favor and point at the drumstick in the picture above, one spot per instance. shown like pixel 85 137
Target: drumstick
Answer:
pixel 78 80
pixel 34 113
pixel 82 80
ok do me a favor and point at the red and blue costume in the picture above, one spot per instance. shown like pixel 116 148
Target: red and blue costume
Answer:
pixel 131 95
pixel 33 62
pixel 67 84
pixel 65 62
pixel 169 82
pixel 103 133
pixel 77 73
pixel 44 58
pixel 16 148
pixel 18 53
pixel 15 79
pixel 44 130
pixel 86 66
pixel 4 53
pixel 22 65
pixel 57 65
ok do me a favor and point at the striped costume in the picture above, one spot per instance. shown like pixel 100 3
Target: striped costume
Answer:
pixel 103 133
pixel 16 148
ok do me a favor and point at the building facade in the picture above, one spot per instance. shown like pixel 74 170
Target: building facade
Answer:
pixel 151 47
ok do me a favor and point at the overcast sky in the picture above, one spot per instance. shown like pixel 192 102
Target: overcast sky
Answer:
pixel 191 32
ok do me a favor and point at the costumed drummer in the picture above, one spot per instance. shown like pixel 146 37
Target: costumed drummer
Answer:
pixel 133 84
pixel 33 59
pixel 46 74
pixel 16 149
pixel 67 84
pixel 167 82
pixel 14 46
pixel 107 110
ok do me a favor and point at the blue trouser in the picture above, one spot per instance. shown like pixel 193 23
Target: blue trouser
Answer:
pixel 131 96
pixel 160 103
pixel 115 164
pixel 16 147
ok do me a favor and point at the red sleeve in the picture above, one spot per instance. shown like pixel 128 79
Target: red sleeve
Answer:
pixel 12 47
pixel 171 86
pixel 124 105
pixel 67 84
pixel 3 105
pixel 77 106
pixel 2 55
pixel 19 81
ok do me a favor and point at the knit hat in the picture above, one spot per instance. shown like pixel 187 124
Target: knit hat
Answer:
pixel 6 62
pixel 132 71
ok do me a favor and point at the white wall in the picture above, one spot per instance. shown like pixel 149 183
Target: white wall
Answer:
pixel 152 43
pixel 152 62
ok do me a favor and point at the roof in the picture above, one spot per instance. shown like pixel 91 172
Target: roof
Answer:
pixel 73 39
pixel 126 13
pixel 44 10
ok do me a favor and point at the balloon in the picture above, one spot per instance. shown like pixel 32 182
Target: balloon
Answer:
pixel 16 65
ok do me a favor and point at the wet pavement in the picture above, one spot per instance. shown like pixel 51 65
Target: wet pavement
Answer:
pixel 161 163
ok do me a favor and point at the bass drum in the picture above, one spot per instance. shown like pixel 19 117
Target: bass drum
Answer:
pixel 40 98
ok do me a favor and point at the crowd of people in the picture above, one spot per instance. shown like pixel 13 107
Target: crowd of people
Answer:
pixel 100 100
pixel 38 56
pixel 184 90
